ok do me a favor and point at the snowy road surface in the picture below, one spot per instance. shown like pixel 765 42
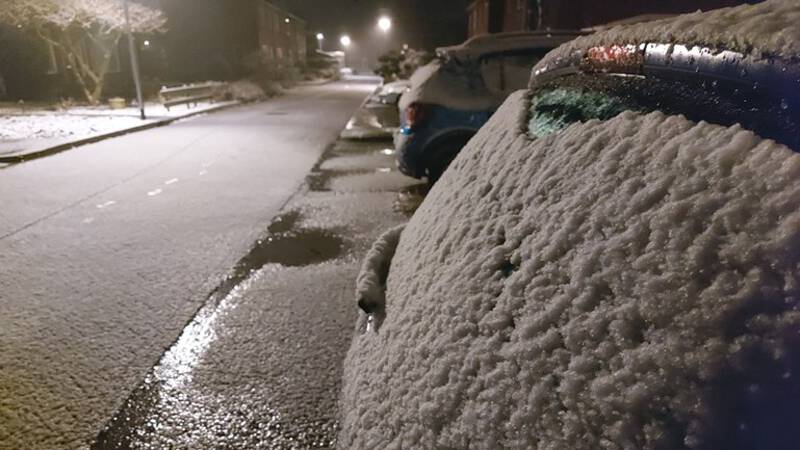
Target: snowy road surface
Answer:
pixel 107 251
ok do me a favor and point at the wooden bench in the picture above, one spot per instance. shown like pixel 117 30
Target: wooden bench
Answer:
pixel 188 94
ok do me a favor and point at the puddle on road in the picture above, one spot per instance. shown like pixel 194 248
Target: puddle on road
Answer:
pixel 166 392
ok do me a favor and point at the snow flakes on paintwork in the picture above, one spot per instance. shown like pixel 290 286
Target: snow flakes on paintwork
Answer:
pixel 621 284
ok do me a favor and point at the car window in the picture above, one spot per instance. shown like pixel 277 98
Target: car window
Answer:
pixel 390 99
pixel 505 73
pixel 553 110
pixel 578 98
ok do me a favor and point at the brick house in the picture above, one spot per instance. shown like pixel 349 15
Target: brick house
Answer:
pixel 281 35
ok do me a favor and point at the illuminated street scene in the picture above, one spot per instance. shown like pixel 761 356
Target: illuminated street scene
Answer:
pixel 461 224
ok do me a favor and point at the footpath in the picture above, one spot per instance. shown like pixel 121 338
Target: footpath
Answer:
pixel 273 380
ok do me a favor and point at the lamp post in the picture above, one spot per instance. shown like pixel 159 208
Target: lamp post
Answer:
pixel 345 41
pixel 134 60
pixel 385 24
pixel 320 38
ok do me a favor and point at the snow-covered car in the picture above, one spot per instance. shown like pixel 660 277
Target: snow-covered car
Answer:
pixel 456 93
pixel 613 261
pixel 389 93
pixel 377 117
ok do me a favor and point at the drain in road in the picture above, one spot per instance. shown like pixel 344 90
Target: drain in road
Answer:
pixel 167 392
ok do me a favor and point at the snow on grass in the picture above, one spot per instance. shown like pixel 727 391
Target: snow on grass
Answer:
pixel 17 124
pixel 56 126
pixel 631 283
pixel 764 29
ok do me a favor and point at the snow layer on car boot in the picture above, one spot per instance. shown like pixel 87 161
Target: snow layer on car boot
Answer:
pixel 764 29
pixel 622 284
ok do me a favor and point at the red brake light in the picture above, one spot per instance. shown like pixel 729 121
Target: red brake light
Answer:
pixel 415 113
pixel 614 58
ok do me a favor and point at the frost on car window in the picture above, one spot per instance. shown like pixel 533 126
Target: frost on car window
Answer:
pixel 554 110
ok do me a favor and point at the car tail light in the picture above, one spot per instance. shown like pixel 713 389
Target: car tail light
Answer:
pixel 614 58
pixel 415 114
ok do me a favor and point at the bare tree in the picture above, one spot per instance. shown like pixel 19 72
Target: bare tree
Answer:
pixel 69 25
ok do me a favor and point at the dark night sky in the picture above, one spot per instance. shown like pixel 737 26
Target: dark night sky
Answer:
pixel 419 23
pixel 201 29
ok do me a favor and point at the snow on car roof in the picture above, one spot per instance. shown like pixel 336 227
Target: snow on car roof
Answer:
pixel 762 30
pixel 481 45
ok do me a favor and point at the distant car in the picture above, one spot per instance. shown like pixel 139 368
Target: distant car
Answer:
pixel 377 117
pixel 389 93
pixel 613 262
pixel 454 95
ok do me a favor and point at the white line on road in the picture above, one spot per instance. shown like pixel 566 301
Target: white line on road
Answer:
pixel 154 193
pixel 171 181
pixel 106 204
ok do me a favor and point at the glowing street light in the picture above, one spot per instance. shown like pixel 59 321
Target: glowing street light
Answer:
pixel 385 24
pixel 320 38
pixel 345 41
pixel 134 60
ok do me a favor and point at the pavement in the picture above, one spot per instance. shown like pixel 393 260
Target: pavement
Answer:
pixel 128 259
pixel 48 133
pixel 260 365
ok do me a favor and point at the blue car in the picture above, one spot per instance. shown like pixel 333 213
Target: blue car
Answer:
pixel 454 95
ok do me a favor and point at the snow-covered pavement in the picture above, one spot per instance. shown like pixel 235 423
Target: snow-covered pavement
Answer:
pixel 59 125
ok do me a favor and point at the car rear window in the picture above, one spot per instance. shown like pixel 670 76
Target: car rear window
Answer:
pixel 579 98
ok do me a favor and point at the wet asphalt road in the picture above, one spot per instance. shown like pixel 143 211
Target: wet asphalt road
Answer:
pixel 108 251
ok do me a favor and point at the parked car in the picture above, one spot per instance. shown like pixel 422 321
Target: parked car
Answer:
pixel 454 95
pixel 612 262
pixel 377 117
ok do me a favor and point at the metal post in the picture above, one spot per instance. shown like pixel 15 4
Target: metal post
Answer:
pixel 134 60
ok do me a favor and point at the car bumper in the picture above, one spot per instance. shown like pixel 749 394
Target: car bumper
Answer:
pixel 409 158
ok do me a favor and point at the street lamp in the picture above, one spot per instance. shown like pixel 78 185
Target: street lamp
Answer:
pixel 385 24
pixel 345 41
pixel 134 60
pixel 320 38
